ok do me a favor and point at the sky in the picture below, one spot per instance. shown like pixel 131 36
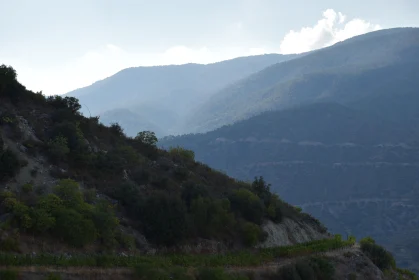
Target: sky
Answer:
pixel 58 46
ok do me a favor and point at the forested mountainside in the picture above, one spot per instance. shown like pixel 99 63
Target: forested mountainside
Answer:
pixel 79 200
pixel 345 72
pixel 352 169
pixel 160 96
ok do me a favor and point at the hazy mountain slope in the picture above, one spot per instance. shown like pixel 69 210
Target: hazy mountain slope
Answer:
pixel 175 89
pixel 307 78
pixel 353 169
pixel 131 122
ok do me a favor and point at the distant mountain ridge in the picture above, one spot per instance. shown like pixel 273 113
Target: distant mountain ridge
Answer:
pixel 174 89
pixel 291 82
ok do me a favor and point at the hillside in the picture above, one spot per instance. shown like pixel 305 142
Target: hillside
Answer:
pixel 343 73
pixel 337 163
pixel 77 197
pixel 162 95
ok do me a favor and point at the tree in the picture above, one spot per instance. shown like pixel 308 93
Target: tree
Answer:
pixel 58 147
pixel 67 102
pixel 260 187
pixel 7 76
pixel 248 205
pixel 164 218
pixel 147 137
pixel 73 228
pixel 9 164
pixel 69 192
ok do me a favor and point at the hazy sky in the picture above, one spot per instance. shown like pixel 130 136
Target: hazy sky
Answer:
pixel 60 45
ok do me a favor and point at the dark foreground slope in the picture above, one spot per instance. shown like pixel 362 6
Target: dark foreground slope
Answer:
pixel 59 171
pixel 160 96
pixel 329 74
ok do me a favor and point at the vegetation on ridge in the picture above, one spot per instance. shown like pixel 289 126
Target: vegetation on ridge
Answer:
pixel 167 196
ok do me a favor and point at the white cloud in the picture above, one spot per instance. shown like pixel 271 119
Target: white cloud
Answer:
pixel 105 61
pixel 332 28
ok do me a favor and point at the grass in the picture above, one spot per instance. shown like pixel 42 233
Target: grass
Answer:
pixel 241 258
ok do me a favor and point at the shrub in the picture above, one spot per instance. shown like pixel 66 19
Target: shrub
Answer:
pixel 212 274
pixel 147 137
pixel 191 191
pixel 73 228
pixel 378 255
pixel 164 219
pixel 27 188
pixel 309 269
pixel 182 153
pixel 58 148
pixel 9 244
pixel 251 233
pixel 248 205
pixel 125 240
pixel 407 273
pixel 9 164
pixel 66 216
pixel 211 217
pixel 9 275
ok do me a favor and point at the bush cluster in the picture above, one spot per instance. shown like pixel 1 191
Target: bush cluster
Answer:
pixel 64 215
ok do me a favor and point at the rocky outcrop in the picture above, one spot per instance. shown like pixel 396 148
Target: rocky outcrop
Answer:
pixel 290 232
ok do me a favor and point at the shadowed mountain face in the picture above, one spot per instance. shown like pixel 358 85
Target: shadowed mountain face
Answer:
pixel 162 95
pixel 330 74
pixel 349 154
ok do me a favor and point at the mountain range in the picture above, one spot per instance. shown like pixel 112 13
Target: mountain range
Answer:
pixel 158 98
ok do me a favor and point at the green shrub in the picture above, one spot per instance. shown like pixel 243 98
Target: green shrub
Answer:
pixel 27 188
pixel 407 273
pixel 73 228
pixel 9 244
pixel 211 218
pixel 125 240
pixel 248 205
pixel 65 215
pixel 378 255
pixel 182 152
pixel 147 137
pixel 309 269
pixel 9 275
pixel 251 233
pixel 164 219
pixel 58 148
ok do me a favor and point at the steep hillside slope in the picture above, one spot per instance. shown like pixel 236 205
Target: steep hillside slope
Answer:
pixel 343 72
pixel 163 94
pixel 352 169
pixel 162 200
